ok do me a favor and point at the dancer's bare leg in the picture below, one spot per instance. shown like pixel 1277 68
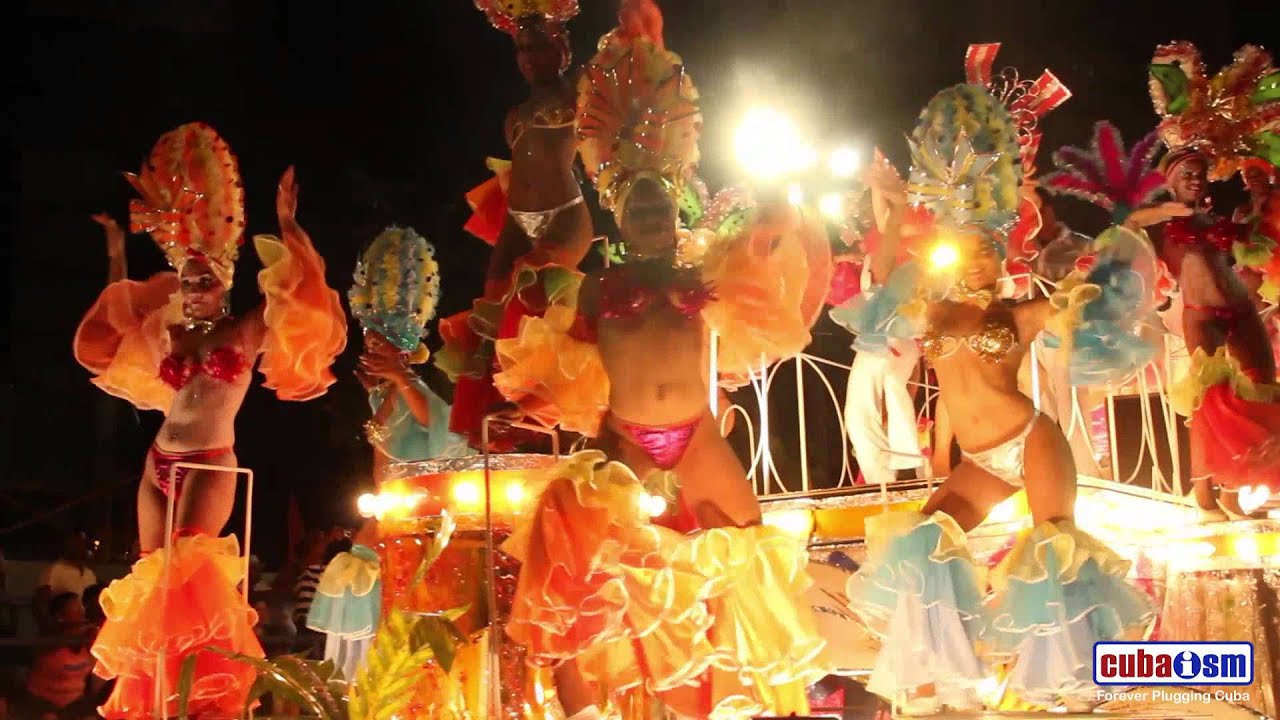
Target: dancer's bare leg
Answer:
pixel 712 482
pixel 575 692
pixel 151 509
pixel 1049 473
pixel 206 500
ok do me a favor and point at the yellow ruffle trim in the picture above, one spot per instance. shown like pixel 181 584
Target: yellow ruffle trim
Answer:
pixel 1208 370
pixel 554 378
pixel 1070 547
pixel 119 598
pixel 349 573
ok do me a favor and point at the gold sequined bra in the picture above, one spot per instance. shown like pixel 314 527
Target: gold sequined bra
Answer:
pixel 992 343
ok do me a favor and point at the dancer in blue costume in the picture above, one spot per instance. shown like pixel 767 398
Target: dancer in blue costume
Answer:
pixel 397 288
pixel 942 622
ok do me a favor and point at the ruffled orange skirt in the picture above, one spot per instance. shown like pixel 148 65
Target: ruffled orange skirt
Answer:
pixel 713 623
pixel 155 622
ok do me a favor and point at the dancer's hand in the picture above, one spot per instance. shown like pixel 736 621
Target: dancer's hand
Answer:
pixel 115 235
pixel 386 367
pixel 367 381
pixel 1156 214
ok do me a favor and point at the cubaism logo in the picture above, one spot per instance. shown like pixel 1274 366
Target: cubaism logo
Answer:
pixel 1173 663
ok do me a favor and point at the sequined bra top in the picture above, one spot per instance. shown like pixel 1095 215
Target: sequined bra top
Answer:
pixel 628 290
pixel 992 343
pixel 225 363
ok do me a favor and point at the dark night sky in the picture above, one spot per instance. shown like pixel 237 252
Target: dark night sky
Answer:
pixel 388 109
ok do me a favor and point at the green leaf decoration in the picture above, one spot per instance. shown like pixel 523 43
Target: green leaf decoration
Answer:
pixel 433 634
pixel 283 680
pixel 1266 145
pixel 385 684
pixel 734 223
pixel 1174 81
pixel 186 676
pixel 690 204
pixel 438 544
pixel 1268 89
pixel 315 676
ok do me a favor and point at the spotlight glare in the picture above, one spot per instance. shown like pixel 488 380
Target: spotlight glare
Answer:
pixel 844 162
pixel 467 495
pixel 515 494
pixel 1251 498
pixel 831 205
pixel 944 256
pixel 769 145
pixel 795 195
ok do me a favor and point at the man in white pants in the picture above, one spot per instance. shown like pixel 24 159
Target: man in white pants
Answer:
pixel 879 413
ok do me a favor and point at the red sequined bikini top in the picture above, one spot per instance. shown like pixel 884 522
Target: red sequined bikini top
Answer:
pixel 629 290
pixel 224 363
pixel 1184 232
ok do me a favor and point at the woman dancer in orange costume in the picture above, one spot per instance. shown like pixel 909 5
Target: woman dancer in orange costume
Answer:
pixel 169 343
pixel 709 620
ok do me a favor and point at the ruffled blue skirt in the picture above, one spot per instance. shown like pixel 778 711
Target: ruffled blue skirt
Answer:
pixel 921 593
pixel 1057 592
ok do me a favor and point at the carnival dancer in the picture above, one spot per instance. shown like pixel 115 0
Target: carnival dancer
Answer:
pixel 712 621
pixel 1230 394
pixel 396 291
pixel 531 212
pixel 921 592
pixel 170 343
pixel 879 410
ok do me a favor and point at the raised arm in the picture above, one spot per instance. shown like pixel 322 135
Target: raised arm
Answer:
pixel 1031 317
pixel 118 264
pixel 301 321
pixel 408 387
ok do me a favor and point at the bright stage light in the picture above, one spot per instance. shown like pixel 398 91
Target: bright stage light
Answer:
pixel 769 145
pixel 515 495
pixel 1251 498
pixel 831 205
pixel 795 195
pixel 944 256
pixel 367 505
pixel 653 505
pixel 467 495
pixel 844 162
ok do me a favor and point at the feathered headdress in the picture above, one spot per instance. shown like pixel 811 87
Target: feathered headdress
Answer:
pixel 509 15
pixel 397 288
pixel 1106 175
pixel 973 153
pixel 1120 181
pixel 1231 116
pixel 638 113
pixel 976 143
pixel 192 200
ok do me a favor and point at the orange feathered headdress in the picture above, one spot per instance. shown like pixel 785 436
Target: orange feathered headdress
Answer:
pixel 192 200
pixel 1227 117
pixel 638 111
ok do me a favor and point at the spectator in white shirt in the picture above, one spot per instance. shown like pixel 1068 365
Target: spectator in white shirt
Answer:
pixel 68 574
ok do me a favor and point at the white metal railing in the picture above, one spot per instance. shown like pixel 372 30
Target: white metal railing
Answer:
pixel 763 467
pixel 161 693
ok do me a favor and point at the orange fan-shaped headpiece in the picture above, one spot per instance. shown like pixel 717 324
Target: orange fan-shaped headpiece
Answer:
pixel 638 110
pixel 192 200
